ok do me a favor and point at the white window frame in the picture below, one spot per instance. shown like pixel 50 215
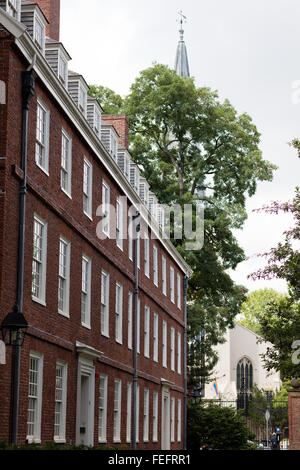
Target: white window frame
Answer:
pixel 119 313
pixel 178 352
pixel 178 291
pixel 178 420
pixel 42 136
pixel 137 421
pixel 35 396
pixel 172 345
pixel 130 315
pixel 66 164
pixel 147 256
pixel 155 417
pixel 164 275
pixel 82 98
pixel 102 416
pixel 117 410
pixel 172 284
pixel 87 187
pixel 146 415
pixel 105 282
pixel 138 326
pixel 40 42
pixel 138 250
pixel 128 410
pixel 155 265
pixel 119 224
pixel 14 8
pixel 61 402
pixel 86 290
pixel 155 337
pixel 41 261
pixel 172 419
pixel 130 237
pixel 106 208
pixel 164 344
pixel 64 277
pixel 62 69
pixel 147 331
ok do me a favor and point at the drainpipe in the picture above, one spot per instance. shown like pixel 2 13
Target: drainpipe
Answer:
pixel 28 91
pixel 136 220
pixel 185 287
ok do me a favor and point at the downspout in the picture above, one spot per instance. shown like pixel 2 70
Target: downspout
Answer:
pixel 28 91
pixel 136 219
pixel 185 287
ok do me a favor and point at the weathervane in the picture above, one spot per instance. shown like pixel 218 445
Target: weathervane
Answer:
pixel 181 20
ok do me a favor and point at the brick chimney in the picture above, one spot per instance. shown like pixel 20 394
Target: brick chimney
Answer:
pixel 51 9
pixel 121 124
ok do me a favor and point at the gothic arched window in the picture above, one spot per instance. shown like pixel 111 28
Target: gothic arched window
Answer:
pixel 244 382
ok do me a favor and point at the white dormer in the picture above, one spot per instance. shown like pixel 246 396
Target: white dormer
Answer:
pixel 144 191
pixel 160 216
pixel 124 161
pixel 78 89
pixel 58 58
pixel 35 21
pixel 12 7
pixel 94 112
pixel 153 204
pixel 109 138
pixel 134 176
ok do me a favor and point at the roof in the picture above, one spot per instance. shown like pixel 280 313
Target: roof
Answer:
pixel 181 60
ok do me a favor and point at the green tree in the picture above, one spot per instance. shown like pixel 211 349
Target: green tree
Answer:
pixel 216 427
pixel 110 101
pixel 191 148
pixel 255 306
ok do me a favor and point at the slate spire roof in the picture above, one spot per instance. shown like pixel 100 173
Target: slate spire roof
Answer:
pixel 181 61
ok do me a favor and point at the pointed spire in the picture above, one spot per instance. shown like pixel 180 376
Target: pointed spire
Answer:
pixel 181 61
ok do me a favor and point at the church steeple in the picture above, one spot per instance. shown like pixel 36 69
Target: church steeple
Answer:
pixel 181 61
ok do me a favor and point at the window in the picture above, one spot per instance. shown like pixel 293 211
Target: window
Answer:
pixel 105 303
pixel 138 251
pixel 102 408
pixel 155 417
pixel 86 292
pixel 97 124
pixel 119 224
pixel 172 293
pixel 172 424
pixel 42 136
pixel 38 289
pixel 130 305
pixel 244 383
pixel 119 312
pixel 114 147
pixel 87 187
pixel 82 99
pixel 39 33
pixel 146 415
pixel 117 411
pixel 62 69
pixel 164 275
pixel 155 337
pixel 60 402
pixel 130 239
pixel 105 206
pixel 155 266
pixel 164 345
pixel 172 349
pixel 137 422
pixel 178 291
pixel 66 163
pixel 35 397
pixel 147 331
pixel 146 256
pixel 64 276
pixel 13 8
pixel 179 420
pixel 138 326
pixel 179 353
pixel 128 417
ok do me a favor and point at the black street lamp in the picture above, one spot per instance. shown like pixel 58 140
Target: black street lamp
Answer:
pixel 13 328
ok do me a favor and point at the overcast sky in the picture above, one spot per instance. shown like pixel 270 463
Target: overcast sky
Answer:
pixel 247 50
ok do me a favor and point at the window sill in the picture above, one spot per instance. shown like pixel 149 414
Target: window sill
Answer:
pixel 44 170
pixel 63 314
pixel 33 440
pixel 85 325
pixel 88 216
pixel 66 193
pixel 102 441
pixel 39 301
pixel 58 440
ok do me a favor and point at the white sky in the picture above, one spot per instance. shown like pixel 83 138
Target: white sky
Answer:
pixel 247 50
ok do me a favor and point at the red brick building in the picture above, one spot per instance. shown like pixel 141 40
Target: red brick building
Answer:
pixel 77 367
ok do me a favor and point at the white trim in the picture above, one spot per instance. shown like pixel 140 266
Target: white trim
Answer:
pixel 147 256
pixel 66 311
pixel 130 318
pixel 102 436
pixel 147 331
pixel 155 265
pixel 172 347
pixel 105 302
pixel 119 313
pixel 146 416
pixel 106 206
pixel 87 320
pixel 164 275
pixel 43 262
pixel 117 410
pixel 164 344
pixel 68 169
pixel 89 194
pixel 36 437
pixel 61 438
pixel 128 412
pixel 155 337
pixel 46 110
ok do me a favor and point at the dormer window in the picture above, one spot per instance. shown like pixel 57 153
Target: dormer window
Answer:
pixel 58 59
pixel 153 204
pixel 78 89
pixel 134 176
pixel 94 112
pixel 144 191
pixel 124 161
pixel 109 138
pixel 35 21
pixel 13 8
